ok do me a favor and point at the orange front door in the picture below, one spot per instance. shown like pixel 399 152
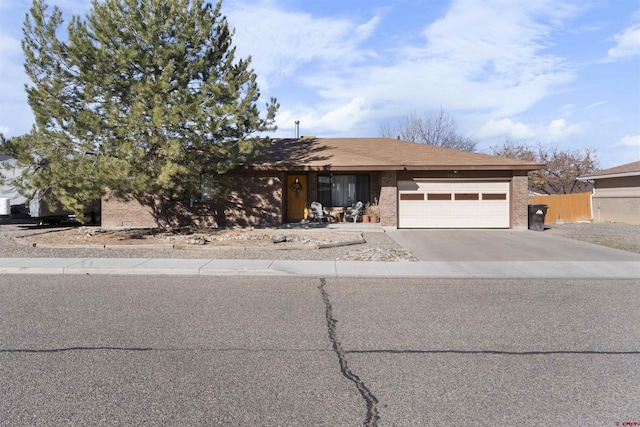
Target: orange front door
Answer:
pixel 296 197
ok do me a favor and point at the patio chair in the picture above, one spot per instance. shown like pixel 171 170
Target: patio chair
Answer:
pixel 318 212
pixel 355 212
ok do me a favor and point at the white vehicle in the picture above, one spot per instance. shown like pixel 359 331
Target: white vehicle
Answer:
pixel 14 204
pixel 10 199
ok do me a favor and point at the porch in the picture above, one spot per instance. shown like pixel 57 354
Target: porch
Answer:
pixel 341 226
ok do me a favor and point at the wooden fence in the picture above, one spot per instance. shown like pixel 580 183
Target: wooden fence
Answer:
pixel 568 207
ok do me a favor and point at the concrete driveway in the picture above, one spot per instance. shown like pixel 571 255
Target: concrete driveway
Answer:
pixel 502 245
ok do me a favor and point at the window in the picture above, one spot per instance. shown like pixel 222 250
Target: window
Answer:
pixel 492 196
pixel 467 196
pixel 439 196
pixel 343 190
pixel 408 196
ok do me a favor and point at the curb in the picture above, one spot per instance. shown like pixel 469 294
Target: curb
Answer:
pixel 570 270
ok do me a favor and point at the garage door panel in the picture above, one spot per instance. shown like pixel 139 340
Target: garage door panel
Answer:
pixel 439 208
pixel 436 187
pixel 439 222
pixel 456 204
pixel 412 214
pixel 413 222
pixel 468 222
pixel 462 187
pixel 491 222
pixel 413 209
pixel 492 209
pixel 495 186
pixel 465 208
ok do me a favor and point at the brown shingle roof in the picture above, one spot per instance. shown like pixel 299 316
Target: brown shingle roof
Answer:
pixel 627 169
pixel 376 154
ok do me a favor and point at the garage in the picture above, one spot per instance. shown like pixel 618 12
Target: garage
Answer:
pixel 453 204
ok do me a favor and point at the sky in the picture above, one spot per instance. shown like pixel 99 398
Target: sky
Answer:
pixel 562 73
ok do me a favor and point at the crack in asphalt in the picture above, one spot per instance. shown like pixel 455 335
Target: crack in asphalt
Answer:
pixel 160 350
pixel 281 350
pixel 370 400
pixel 497 352
pixel 61 350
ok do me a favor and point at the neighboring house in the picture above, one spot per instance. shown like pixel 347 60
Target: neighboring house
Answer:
pixel 616 194
pixel 9 172
pixel 34 207
pixel 417 186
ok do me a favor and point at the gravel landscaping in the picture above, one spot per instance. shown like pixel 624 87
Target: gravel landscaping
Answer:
pixel 301 244
pixel 255 244
pixel 613 235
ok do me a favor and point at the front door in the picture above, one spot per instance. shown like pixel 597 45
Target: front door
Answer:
pixel 296 197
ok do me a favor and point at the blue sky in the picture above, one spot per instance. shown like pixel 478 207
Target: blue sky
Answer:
pixel 563 73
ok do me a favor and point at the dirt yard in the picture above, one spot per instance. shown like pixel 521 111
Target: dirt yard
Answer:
pixel 209 237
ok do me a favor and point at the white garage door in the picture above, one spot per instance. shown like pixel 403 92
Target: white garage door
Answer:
pixel 453 204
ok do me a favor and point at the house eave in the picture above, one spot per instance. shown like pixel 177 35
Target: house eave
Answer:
pixel 474 167
pixel 615 175
pixel 313 168
pixel 362 168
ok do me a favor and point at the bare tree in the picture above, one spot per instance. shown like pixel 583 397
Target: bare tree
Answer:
pixel 562 167
pixel 437 129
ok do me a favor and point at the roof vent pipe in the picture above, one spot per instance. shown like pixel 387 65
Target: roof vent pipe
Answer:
pixel 297 129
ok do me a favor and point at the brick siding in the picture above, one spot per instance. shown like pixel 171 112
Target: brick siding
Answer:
pixel 125 213
pixel 519 202
pixel 388 199
pixel 254 200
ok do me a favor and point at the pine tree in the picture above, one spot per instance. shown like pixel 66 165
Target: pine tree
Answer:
pixel 145 99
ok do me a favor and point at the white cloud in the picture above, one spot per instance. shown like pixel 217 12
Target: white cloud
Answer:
pixel 560 129
pixel 630 141
pixel 505 127
pixel 341 118
pixel 280 41
pixel 595 104
pixel 491 58
pixel 487 55
pixel 366 30
pixel 628 43
pixel 346 116
pixel 4 130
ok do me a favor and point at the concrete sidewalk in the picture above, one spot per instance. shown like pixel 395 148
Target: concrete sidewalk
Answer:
pixel 223 267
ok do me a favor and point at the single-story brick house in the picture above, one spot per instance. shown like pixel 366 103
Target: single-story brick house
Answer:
pixel 417 186
pixel 616 194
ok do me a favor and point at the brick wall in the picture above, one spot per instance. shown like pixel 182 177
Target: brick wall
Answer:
pixel 519 201
pixel 254 199
pixel 388 199
pixel 120 213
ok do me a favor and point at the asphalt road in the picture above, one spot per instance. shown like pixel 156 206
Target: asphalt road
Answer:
pixel 109 350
